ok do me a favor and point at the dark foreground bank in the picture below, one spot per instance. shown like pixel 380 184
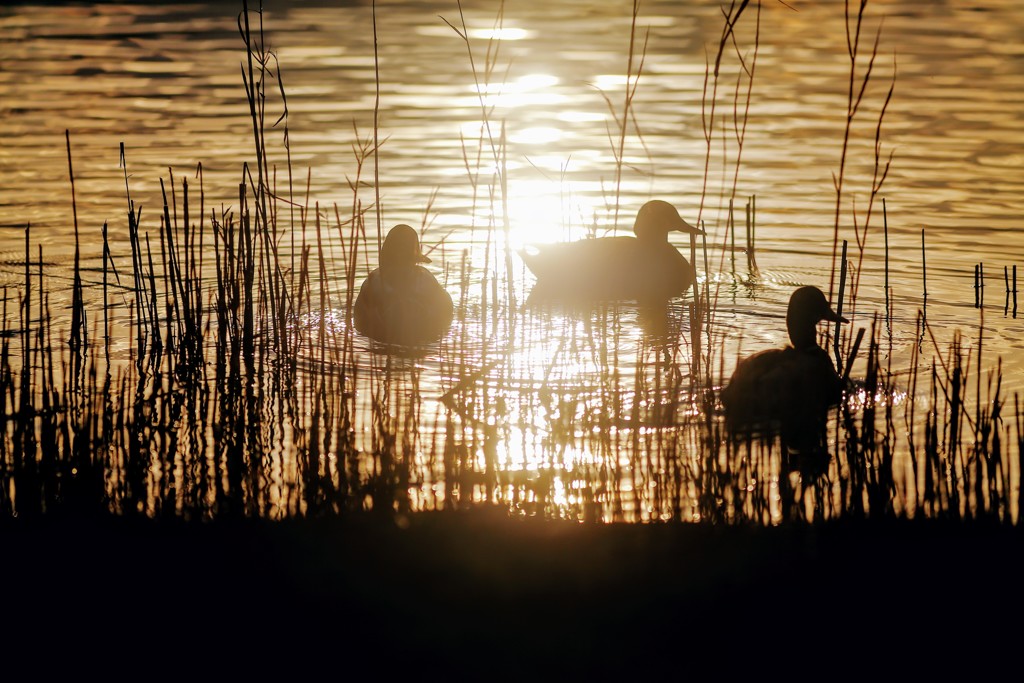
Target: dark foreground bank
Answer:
pixel 484 597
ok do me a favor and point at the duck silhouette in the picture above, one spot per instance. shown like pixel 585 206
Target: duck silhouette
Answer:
pixel 644 268
pixel 400 303
pixel 790 389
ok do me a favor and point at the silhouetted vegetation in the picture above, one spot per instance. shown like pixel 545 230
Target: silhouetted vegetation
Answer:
pixel 219 377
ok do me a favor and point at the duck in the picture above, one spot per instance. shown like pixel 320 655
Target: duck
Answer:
pixel 400 303
pixel 644 267
pixel 788 389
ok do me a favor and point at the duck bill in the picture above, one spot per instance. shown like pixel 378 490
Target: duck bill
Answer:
pixel 683 226
pixel 423 258
pixel 835 317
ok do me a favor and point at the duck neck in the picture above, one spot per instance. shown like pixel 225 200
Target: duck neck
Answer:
pixel 398 272
pixel 803 334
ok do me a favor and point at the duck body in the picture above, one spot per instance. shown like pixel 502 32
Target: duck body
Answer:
pixel 400 303
pixel 788 389
pixel 645 267
pixel 785 388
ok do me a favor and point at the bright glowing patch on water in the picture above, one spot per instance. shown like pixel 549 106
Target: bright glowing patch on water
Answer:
pixel 499 33
pixel 541 212
pixel 536 81
pixel 443 30
pixel 538 135
pixel 478 130
pixel 861 399
pixel 531 90
pixel 527 83
pixel 613 81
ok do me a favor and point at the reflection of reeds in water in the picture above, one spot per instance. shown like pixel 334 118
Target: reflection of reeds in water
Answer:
pixel 245 393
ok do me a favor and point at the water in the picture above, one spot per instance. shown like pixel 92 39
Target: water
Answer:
pixel 166 80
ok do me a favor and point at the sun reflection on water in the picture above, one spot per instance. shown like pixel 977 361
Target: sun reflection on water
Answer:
pixel 530 90
pixel 542 212
pixel 499 33
pixel 445 30
pixel 536 135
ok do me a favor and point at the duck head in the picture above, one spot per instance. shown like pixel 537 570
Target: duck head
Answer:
pixel 401 248
pixel 808 307
pixel 657 218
